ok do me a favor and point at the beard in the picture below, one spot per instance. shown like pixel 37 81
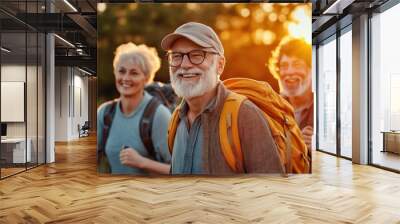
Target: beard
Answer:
pixel 187 89
pixel 299 90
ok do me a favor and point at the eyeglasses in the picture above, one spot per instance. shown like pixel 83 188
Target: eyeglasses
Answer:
pixel 196 57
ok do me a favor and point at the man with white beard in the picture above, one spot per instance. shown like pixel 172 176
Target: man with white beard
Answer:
pixel 196 60
pixel 291 65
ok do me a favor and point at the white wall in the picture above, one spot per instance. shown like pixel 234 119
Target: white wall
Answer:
pixel 16 73
pixel 13 73
pixel 33 127
pixel 61 103
pixel 71 94
pixel 81 97
pixel 12 101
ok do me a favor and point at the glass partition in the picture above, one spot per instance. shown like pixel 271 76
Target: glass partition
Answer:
pixel 385 89
pixel 22 89
pixel 15 150
pixel 327 96
pixel 346 93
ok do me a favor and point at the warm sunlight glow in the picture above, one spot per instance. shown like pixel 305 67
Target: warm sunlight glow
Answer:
pixel 272 17
pixel 259 16
pixel 133 6
pixel 225 35
pixel 300 26
pixel 101 7
pixel 266 37
pixel 267 7
pixel 245 12
pixel 192 6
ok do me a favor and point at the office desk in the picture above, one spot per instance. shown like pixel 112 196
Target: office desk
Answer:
pixel 13 150
pixel 391 141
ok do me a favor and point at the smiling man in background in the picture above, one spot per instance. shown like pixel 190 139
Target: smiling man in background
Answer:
pixel 291 65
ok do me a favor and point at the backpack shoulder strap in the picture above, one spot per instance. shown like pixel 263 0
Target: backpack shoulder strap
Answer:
pixel 107 120
pixel 146 124
pixel 172 127
pixel 229 132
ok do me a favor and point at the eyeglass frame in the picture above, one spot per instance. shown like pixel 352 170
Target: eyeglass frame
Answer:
pixel 187 54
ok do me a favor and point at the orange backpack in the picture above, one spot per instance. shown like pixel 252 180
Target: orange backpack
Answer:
pixel 279 115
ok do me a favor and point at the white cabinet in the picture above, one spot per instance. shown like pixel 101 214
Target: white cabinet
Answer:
pixel 19 154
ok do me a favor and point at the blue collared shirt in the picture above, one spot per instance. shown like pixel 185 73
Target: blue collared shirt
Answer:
pixel 187 155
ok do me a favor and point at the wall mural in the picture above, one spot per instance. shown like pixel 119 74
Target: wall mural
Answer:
pixel 214 89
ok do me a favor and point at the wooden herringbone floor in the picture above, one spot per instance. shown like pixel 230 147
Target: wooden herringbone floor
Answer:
pixel 70 191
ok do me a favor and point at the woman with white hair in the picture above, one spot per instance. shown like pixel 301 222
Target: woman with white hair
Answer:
pixel 121 121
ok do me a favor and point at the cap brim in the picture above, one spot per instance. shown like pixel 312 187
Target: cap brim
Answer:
pixel 168 40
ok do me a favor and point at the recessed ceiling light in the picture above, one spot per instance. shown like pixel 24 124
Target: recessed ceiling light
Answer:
pixel 64 40
pixel 5 50
pixel 84 71
pixel 70 5
pixel 337 7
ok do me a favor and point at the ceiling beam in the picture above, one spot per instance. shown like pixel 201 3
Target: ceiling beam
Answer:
pixel 84 24
pixel 337 7
pixel 75 61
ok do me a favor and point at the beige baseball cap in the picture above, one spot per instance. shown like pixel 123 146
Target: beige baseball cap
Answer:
pixel 200 34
